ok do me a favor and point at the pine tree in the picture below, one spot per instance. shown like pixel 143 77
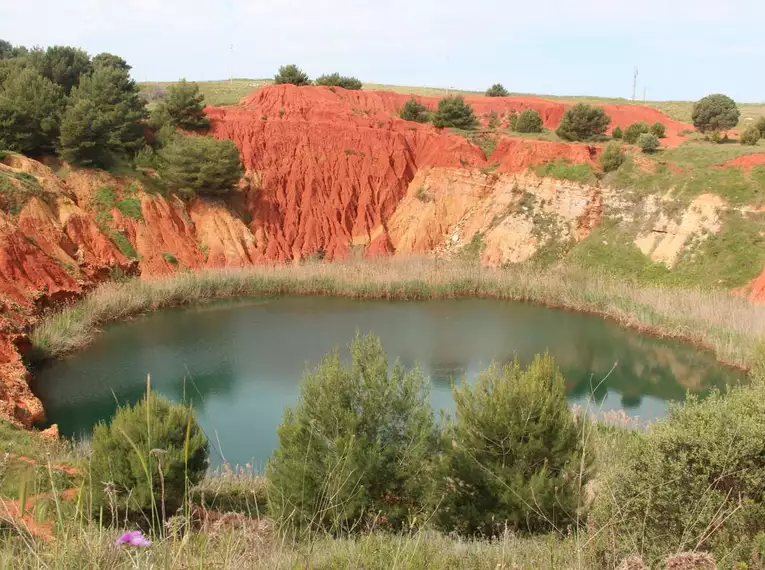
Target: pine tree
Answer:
pixel 117 115
pixel 200 165
pixel 183 106
pixel 516 458
pixel 30 112
pixel 455 113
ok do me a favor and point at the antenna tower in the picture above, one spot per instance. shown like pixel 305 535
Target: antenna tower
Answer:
pixel 634 83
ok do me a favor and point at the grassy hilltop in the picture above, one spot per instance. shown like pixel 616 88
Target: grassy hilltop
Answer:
pixel 229 91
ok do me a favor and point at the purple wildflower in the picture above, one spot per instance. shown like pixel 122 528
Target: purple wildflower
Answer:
pixel 133 538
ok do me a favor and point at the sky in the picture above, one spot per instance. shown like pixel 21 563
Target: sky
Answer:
pixel 683 49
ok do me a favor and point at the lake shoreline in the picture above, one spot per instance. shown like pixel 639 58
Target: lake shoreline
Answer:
pixel 728 326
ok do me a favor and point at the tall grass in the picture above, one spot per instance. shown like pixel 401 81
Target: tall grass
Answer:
pixel 728 325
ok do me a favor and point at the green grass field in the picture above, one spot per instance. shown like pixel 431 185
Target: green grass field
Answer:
pixel 229 92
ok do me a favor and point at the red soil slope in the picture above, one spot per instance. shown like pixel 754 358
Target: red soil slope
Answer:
pixel 326 170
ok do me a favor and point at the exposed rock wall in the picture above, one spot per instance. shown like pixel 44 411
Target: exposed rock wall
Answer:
pixel 329 172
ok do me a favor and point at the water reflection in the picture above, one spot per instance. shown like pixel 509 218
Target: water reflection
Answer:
pixel 242 363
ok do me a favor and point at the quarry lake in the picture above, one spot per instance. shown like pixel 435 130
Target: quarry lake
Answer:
pixel 241 362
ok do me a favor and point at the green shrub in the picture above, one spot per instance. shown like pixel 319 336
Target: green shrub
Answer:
pixel 583 122
pixel 760 124
pixel 528 121
pixel 695 481
pixel 200 165
pixel 648 142
pixel 512 121
pixel 355 450
pixel 291 74
pixel 183 106
pixel 337 80
pixel 715 113
pixel 414 111
pixel 455 113
pixel 659 129
pixel 63 65
pixel 617 133
pixel 515 457
pixel 105 119
pixel 497 90
pixel 147 453
pixel 632 132
pixel 612 157
pixel 493 122
pixel 715 137
pixel 751 135
pixel 30 113
pixel 131 207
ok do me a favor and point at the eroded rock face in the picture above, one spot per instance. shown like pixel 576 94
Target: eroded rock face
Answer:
pixel 329 172
pixel 667 238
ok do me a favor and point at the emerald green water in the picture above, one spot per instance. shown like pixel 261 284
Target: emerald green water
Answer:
pixel 241 362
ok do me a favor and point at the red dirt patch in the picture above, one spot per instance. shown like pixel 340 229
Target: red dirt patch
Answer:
pixel 746 162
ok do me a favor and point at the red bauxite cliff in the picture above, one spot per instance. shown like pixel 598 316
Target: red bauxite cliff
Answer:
pixel 328 171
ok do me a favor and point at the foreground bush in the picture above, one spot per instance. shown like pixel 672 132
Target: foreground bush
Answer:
pixel 356 448
pixel 751 135
pixel 516 457
pixel 617 133
pixel 337 80
pixel 583 122
pixel 528 121
pixel 414 111
pixel 497 90
pixel 696 481
pixel 760 124
pixel 145 459
pixel 648 142
pixel 200 165
pixel 659 129
pixel 612 157
pixel 715 113
pixel 291 74
pixel 455 113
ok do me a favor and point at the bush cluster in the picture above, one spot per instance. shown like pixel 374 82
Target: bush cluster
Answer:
pixel 337 80
pixel 648 142
pixel 413 110
pixel 453 112
pixel 146 459
pixel 583 122
pixel 612 157
pixel 529 121
pixel 361 447
pixel 715 113
pixel 497 90
pixel 751 135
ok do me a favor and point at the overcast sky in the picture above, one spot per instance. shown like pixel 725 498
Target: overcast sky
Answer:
pixel 684 49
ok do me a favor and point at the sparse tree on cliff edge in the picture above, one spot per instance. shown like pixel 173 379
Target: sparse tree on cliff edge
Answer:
pixel 455 113
pixel 529 121
pixel 337 80
pixel 183 106
pixel 110 124
pixel 291 74
pixel 715 113
pixel 200 165
pixel 497 90
pixel 414 111
pixel 583 122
